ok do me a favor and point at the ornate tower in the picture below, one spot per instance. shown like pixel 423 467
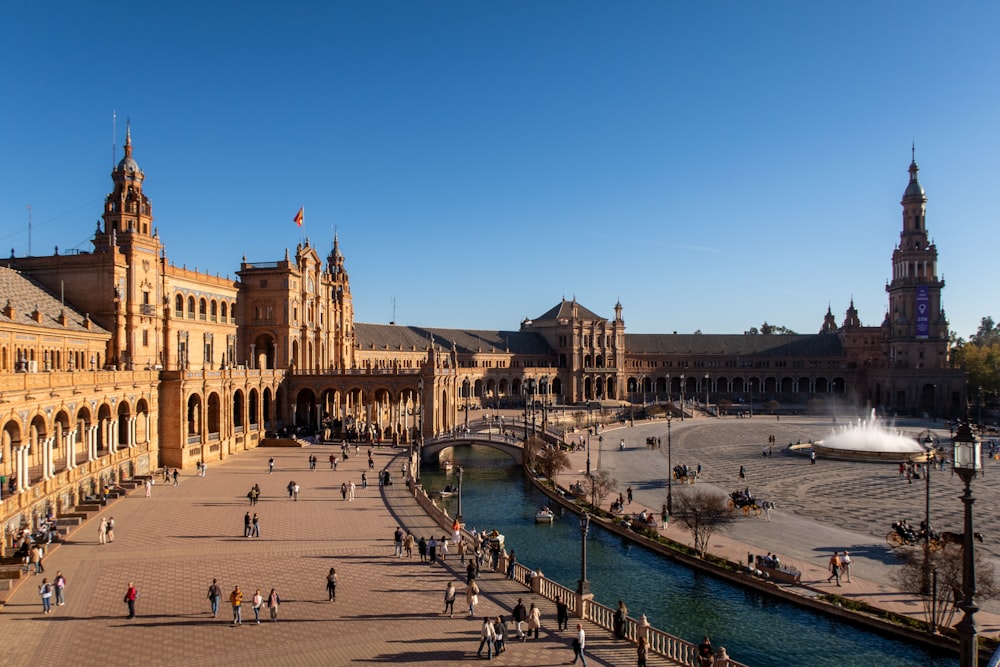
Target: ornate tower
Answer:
pixel 341 310
pixel 915 328
pixel 129 238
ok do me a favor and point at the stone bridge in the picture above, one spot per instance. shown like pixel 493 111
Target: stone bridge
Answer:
pixel 432 449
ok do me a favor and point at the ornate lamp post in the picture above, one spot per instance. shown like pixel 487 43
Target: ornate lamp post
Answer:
pixel 682 397
pixel 670 469
pixel 928 441
pixel 584 586
pixel 467 389
pixel 588 454
pixel 968 462
pixel 458 516
pixel 707 383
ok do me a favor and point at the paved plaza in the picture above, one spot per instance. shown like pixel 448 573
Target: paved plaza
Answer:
pixel 174 543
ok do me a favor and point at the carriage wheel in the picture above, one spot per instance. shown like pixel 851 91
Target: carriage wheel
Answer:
pixel 731 504
pixel 757 511
pixel 746 510
pixel 894 539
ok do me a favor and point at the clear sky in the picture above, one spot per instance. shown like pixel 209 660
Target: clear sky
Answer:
pixel 711 164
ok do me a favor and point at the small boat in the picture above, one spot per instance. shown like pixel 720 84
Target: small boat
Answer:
pixel 545 515
pixel 448 491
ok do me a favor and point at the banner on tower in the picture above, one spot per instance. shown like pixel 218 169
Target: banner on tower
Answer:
pixel 299 216
pixel 923 312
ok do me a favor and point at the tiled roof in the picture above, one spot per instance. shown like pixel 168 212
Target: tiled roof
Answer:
pixel 734 344
pixel 25 295
pixel 467 340
pixel 564 310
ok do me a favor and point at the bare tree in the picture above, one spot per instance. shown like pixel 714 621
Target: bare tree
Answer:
pixel 701 512
pixel 551 460
pixel 599 485
pixel 945 565
pixel 532 446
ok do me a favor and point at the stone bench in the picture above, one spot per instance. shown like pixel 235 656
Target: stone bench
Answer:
pixel 783 576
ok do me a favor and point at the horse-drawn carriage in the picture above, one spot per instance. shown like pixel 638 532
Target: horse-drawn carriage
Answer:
pixel 904 535
pixel 746 503
pixel 685 474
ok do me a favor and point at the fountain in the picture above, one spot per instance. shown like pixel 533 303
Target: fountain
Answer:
pixel 869 440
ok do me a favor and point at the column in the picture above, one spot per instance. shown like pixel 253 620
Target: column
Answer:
pixel 131 431
pixel 22 470
pixel 48 467
pixel 71 450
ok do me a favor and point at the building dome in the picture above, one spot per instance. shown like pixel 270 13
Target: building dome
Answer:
pixel 913 189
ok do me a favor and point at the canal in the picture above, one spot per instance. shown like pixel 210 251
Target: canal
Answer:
pixel 756 629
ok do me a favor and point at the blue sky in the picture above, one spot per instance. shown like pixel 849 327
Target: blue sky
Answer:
pixel 711 164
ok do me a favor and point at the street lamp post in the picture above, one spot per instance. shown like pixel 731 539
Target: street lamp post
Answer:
pixel 925 582
pixel 458 516
pixel 706 392
pixel 682 397
pixel 670 469
pixel 588 454
pixel 467 389
pixel 968 462
pixel 584 586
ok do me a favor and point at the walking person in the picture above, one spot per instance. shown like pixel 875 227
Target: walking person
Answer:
pixel 60 585
pixel 834 565
pixel 472 596
pixel 214 595
pixel 449 600
pixel 351 494
pixel 628 492
pixel 270 466
pixel 397 542
pixel 111 529
pixel 255 526
pixel 562 613
pixel 246 525
pixel 131 595
pixel 36 559
pixel 743 473
pixel 620 621
pixel 520 615
pixel 45 591
pixel 845 565
pixel 408 544
pixel 511 562
pixel 273 600
pixel 500 635
pixel 432 547
pixel 102 531
pixel 236 599
pixel 148 485
pixel 579 644
pixel 295 492
pixel 258 602
pixel 422 549
pixel 175 475
pixel 343 491
pixel 331 585
pixel 486 637
pixel 534 620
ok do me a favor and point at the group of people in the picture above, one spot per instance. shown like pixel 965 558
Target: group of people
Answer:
pixel 257 602
pixel 839 565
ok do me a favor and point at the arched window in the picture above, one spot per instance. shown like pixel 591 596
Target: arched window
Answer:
pixel 215 311
pixel 191 307
pixel 225 307
pixel 203 309
pixel 179 306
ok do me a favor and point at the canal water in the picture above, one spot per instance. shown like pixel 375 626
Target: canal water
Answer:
pixel 757 630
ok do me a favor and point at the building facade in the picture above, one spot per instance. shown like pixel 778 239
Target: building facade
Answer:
pixel 116 362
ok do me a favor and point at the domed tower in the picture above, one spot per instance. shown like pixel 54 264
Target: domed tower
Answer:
pixel 341 331
pixel 829 322
pixel 135 281
pixel 918 329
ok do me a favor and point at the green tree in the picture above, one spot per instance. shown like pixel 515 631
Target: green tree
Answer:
pixel 599 485
pixel 551 461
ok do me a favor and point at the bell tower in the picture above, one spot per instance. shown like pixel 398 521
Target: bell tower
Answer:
pixel 915 327
pixel 133 245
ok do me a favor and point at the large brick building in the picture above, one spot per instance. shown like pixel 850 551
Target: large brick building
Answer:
pixel 116 361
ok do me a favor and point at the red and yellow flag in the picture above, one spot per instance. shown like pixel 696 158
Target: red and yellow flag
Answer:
pixel 299 216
